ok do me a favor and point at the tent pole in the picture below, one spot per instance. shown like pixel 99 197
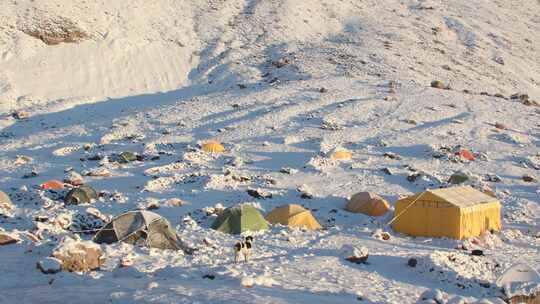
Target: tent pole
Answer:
pixel 406 208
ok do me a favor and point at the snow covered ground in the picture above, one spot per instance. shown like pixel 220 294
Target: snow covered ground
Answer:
pixel 280 83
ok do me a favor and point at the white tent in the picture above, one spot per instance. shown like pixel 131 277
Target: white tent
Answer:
pixel 519 273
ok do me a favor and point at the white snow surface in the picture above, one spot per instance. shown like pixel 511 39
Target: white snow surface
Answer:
pixel 157 78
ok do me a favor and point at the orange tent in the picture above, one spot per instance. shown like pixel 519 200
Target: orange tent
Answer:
pixel 466 154
pixel 52 185
pixel 293 216
pixel 367 203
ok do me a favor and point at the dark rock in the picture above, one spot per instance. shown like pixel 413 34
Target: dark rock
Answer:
pixel 529 178
pixel 95 157
pixel 387 171
pixel 357 260
pixel 477 252
pixel 499 60
pixel 413 176
pixel 306 195
pixel 20 115
pixel 391 155
pixel 437 84
pixel 259 193
pixel 485 284
pixel 287 170
pixel 281 62
pixel 30 174
pixel 493 178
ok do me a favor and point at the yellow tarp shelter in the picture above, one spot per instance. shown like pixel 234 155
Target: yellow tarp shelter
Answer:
pixel 293 216
pixel 457 212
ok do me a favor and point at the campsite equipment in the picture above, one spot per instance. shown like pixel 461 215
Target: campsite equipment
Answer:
pixel 459 178
pixel 466 154
pixel 126 157
pixel 341 154
pixel 52 185
pixel 367 203
pixel 293 216
pixel 457 212
pixel 240 218
pixel 521 284
pixel 519 273
pixel 82 195
pixel 141 228
pixel 213 147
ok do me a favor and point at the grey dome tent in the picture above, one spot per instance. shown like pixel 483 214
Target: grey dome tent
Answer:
pixel 141 228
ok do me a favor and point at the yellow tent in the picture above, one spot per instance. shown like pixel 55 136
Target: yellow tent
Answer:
pixel 293 216
pixel 341 154
pixel 367 203
pixel 457 212
pixel 212 146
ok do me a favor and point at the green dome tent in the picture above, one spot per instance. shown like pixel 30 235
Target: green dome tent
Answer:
pixel 240 218
pixel 126 157
pixel 81 195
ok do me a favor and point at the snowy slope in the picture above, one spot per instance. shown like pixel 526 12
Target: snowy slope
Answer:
pixel 159 77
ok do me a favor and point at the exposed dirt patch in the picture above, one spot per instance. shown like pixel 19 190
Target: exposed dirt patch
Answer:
pixel 54 30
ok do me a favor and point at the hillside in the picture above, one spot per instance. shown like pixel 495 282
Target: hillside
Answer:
pixel 282 84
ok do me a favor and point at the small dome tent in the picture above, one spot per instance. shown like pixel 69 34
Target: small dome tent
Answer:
pixel 240 218
pixel 126 157
pixel 293 216
pixel 53 185
pixel 341 154
pixel 81 195
pixel 141 228
pixel 213 147
pixel 521 284
pixel 367 203
pixel 519 273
